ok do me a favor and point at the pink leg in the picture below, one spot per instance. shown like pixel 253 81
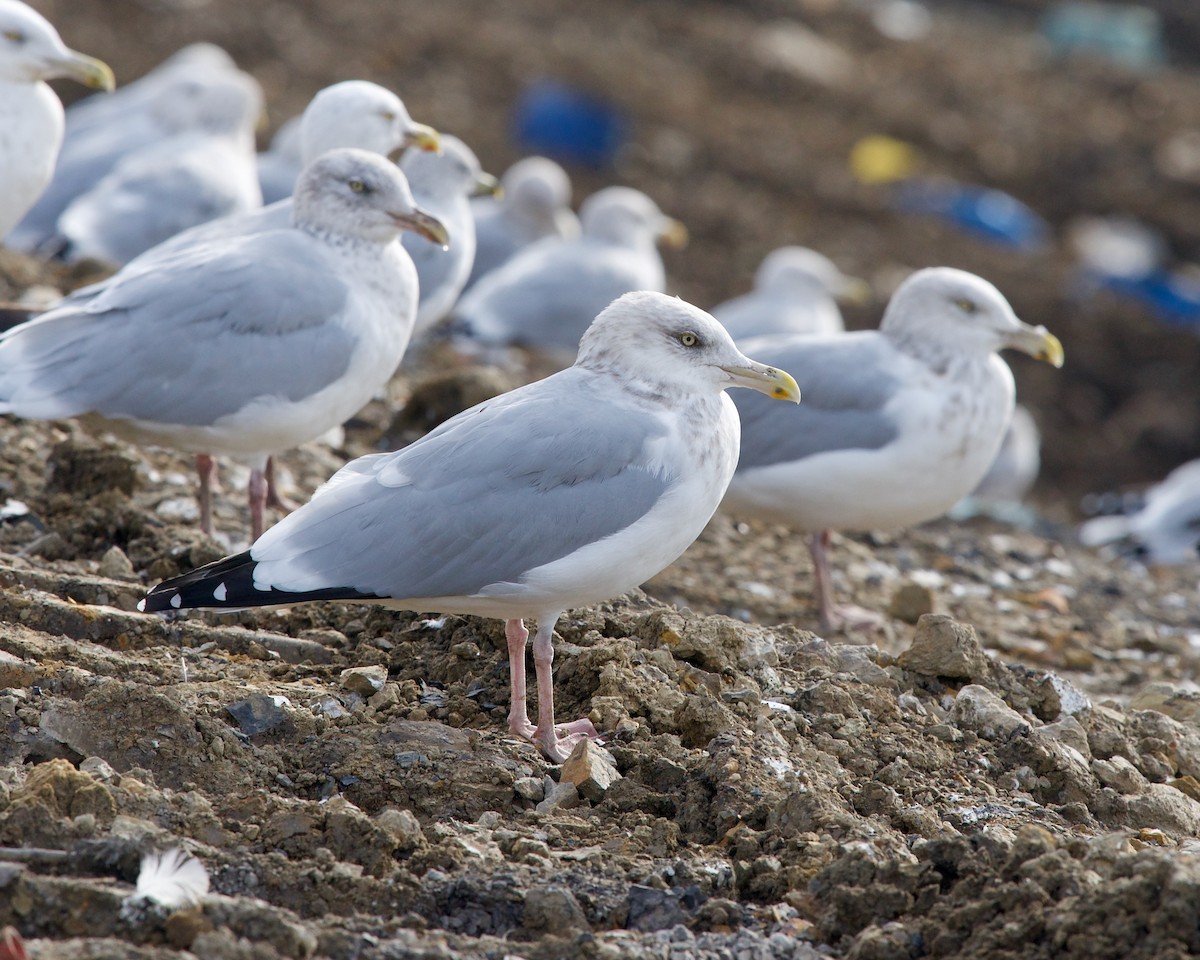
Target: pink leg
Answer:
pixel 518 714
pixel 546 736
pixel 834 616
pixel 206 467
pixel 258 502
pixel 275 499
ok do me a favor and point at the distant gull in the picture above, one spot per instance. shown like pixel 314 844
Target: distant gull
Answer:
pixel 558 494
pixel 165 102
pixel 280 164
pixel 897 424
pixel 31 116
pixel 795 291
pixel 545 296
pixel 1166 529
pixel 206 171
pixel 535 202
pixel 243 348
pixel 443 184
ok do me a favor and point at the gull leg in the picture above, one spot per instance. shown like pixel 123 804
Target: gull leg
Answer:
pixel 547 735
pixel 275 499
pixel 518 715
pixel 258 502
pixel 834 616
pixel 206 468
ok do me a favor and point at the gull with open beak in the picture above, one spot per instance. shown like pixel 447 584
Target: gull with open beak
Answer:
pixel 31 116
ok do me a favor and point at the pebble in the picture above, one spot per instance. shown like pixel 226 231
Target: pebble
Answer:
pixel 115 565
pixel 944 647
pixel 978 708
pixel 258 713
pixel 910 602
pixel 591 769
pixel 564 796
pixel 365 681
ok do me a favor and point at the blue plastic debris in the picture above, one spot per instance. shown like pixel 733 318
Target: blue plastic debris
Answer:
pixel 990 214
pixel 1127 34
pixel 568 125
pixel 1172 297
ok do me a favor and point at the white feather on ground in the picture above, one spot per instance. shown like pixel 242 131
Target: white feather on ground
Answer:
pixel 172 878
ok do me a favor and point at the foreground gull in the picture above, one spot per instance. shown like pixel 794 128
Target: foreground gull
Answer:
pixel 545 296
pixel 535 203
pixel 559 494
pixel 897 424
pixel 795 291
pixel 31 116
pixel 1166 530
pixel 443 183
pixel 244 348
pixel 207 171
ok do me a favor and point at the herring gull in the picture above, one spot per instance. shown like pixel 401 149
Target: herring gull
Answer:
pixel 1166 529
pixel 245 347
pixel 545 296
pixel 31 116
pixel 535 202
pixel 897 423
pixel 561 493
pixel 795 291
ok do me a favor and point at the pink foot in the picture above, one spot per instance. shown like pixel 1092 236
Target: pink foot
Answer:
pixel 564 737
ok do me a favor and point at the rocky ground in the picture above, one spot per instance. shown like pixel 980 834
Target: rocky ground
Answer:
pixel 1015 776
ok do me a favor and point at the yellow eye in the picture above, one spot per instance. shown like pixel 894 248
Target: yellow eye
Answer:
pixel 16 36
pixel 689 339
pixel 358 186
pixel 965 305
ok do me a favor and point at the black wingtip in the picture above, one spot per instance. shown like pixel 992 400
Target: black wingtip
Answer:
pixel 229 585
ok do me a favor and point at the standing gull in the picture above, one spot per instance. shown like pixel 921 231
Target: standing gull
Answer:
pixel 795 291
pixel 246 347
pixel 443 183
pixel 559 494
pixel 545 296
pixel 897 424
pixel 535 202
pixel 31 116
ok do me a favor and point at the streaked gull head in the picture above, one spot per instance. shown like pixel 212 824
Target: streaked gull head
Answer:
pixel 360 195
pixel 364 115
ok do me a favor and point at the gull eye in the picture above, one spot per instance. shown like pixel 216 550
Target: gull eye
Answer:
pixel 358 186
pixel 689 339
pixel 389 115
pixel 965 305
pixel 14 36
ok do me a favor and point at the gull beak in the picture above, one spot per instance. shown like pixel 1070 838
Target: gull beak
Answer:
pixel 487 186
pixel 673 234
pixel 87 70
pixel 424 225
pixel 1038 342
pixel 769 380
pixel 424 137
pixel 853 290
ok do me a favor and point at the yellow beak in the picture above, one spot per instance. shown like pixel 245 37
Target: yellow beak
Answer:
pixel 1039 343
pixel 423 136
pixel 769 380
pixel 87 70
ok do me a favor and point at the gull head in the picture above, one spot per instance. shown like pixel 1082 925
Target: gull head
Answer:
pixel 455 172
pixel 673 348
pixel 537 186
pixel 363 115
pixel 363 196
pixel 952 310
pixel 31 50
pixel 627 217
pixel 804 271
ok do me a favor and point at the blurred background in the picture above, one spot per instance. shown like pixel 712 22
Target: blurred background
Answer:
pixel 1052 147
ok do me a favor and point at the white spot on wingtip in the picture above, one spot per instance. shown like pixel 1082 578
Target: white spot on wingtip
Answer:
pixel 177 601
pixel 220 593
pixel 142 605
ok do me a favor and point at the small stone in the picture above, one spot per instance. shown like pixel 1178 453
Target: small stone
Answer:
pixel 1120 774
pixel 258 713
pixel 98 767
pixel 365 681
pixel 1188 785
pixel 403 826
pixel 530 788
pixel 184 926
pixel 978 708
pixel 591 769
pixel 564 796
pixel 910 602
pixel 1166 698
pixel 554 910
pixel 389 695
pixel 115 565
pixel 943 647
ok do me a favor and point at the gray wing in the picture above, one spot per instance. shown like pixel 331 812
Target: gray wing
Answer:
pixel 758 314
pixel 546 296
pixel 507 486
pixel 188 343
pixel 845 383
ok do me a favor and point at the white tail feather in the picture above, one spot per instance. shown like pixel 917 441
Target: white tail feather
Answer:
pixel 172 878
